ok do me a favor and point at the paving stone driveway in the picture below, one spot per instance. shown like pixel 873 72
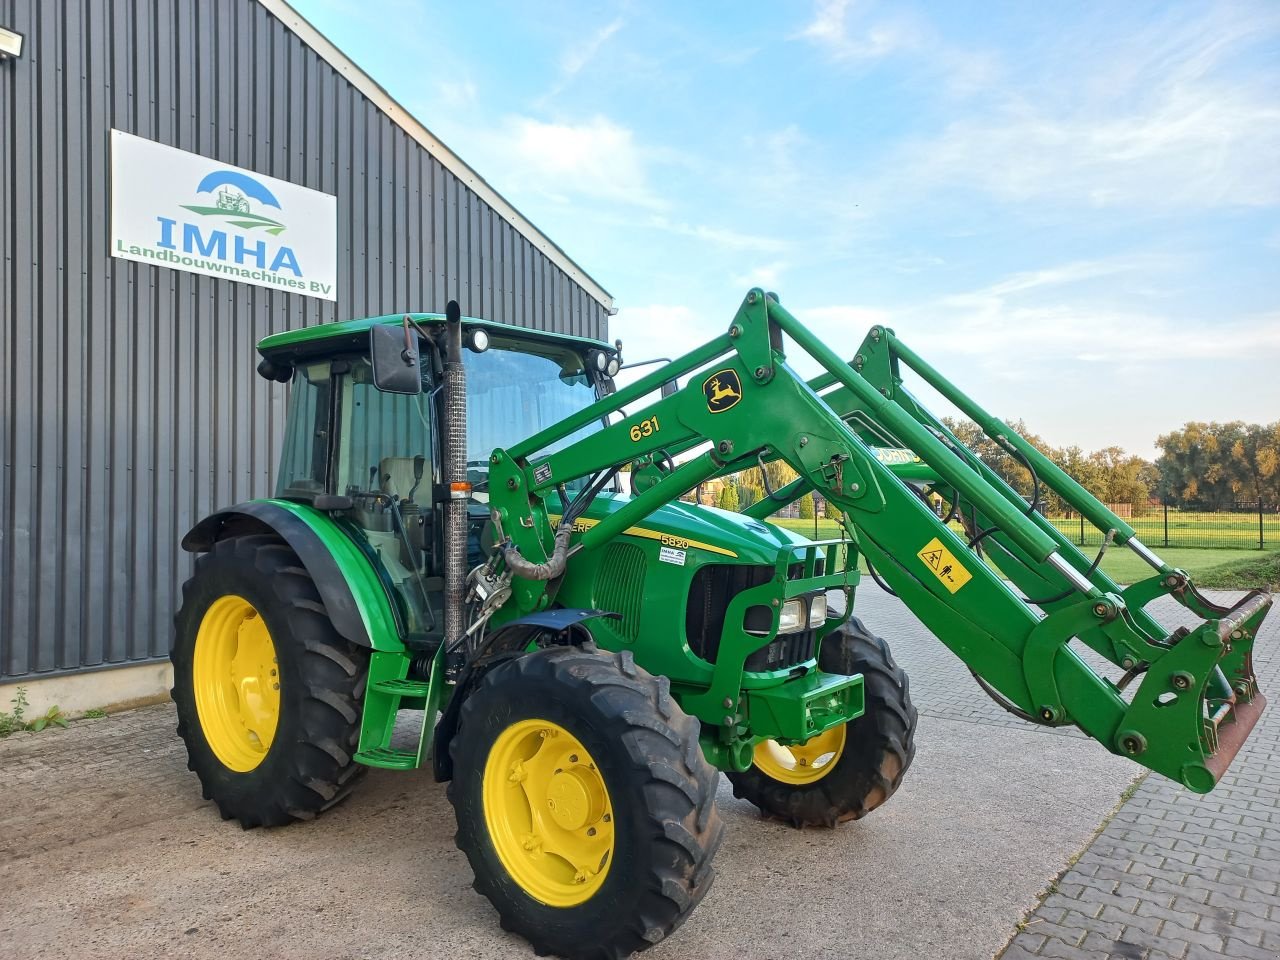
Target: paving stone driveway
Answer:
pixel 107 851
pixel 1175 875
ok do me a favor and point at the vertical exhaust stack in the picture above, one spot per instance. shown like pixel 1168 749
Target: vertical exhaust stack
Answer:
pixel 455 478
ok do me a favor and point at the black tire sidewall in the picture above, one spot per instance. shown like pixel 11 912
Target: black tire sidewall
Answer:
pixel 855 775
pixel 221 573
pixel 661 791
pixel 538 700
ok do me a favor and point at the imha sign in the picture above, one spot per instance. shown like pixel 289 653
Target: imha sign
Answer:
pixel 188 212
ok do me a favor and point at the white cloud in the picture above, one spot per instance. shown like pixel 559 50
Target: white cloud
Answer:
pixel 582 52
pixel 1033 322
pixel 842 37
pixel 1062 274
pixel 1193 149
pixel 660 330
pixel 596 159
pixel 1161 120
pixel 765 275
pixel 718 236
pixel 456 94
pixel 1081 366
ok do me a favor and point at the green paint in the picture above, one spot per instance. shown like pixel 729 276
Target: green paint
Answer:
pixel 314 337
pixel 830 431
pixel 643 554
pixel 371 596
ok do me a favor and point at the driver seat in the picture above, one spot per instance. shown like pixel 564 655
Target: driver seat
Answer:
pixel 396 479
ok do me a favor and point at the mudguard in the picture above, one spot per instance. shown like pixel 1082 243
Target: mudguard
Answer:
pixel 353 596
pixel 509 640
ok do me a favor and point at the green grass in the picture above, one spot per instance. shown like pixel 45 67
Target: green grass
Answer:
pixel 1218 568
pixel 1242 573
pixel 1186 529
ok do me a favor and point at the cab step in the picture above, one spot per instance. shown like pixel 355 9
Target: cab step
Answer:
pixel 389 691
pixel 402 688
pixel 389 758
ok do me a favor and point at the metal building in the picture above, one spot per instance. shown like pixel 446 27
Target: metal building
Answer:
pixel 129 406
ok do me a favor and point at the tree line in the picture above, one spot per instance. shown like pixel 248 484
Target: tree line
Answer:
pixel 1201 466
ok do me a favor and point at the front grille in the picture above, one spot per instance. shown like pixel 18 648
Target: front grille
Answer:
pixel 786 650
pixel 714 585
pixel 796 570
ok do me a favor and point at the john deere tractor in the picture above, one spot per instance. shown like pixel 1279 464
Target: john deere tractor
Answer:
pixel 449 537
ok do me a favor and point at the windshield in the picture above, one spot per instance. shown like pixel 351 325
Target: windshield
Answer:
pixel 517 388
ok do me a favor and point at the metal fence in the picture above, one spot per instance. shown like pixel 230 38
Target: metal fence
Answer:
pixel 1245 526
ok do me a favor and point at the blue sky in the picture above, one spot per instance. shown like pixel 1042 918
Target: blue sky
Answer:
pixel 1072 209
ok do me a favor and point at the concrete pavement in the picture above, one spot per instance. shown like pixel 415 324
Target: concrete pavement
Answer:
pixel 106 850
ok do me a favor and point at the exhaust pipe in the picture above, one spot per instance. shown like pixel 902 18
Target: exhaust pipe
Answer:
pixel 455 478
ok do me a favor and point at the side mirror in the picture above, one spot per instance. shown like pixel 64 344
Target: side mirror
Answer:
pixel 670 389
pixel 393 351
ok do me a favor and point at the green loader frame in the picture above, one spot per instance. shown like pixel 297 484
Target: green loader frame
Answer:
pixel 1197 696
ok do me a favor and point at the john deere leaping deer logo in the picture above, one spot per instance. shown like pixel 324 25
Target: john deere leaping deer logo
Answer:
pixel 234 191
pixel 723 390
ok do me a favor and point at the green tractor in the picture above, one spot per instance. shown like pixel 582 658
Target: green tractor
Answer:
pixel 449 536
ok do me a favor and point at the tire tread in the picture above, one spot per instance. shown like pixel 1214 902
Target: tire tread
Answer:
pixel 659 746
pixel 319 769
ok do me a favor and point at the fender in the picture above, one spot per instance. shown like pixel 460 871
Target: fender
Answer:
pixel 507 641
pixel 353 596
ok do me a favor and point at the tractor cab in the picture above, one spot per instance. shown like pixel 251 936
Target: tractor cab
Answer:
pixel 372 455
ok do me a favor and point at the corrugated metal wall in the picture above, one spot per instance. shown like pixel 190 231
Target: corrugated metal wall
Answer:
pixel 129 407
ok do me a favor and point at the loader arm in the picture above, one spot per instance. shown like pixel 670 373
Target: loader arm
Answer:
pixel 1188 699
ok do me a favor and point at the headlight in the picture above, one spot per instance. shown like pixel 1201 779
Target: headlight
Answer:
pixel 478 340
pixel 792 618
pixel 818 610
pixel 613 367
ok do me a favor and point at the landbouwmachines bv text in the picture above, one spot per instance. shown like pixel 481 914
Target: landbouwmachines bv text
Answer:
pixel 448 536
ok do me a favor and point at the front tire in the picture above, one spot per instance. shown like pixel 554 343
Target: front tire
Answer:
pixel 583 802
pixel 848 771
pixel 268 693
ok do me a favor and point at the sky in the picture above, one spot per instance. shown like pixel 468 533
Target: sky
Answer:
pixel 1071 210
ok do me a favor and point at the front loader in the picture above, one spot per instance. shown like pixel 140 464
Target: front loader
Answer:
pixel 449 536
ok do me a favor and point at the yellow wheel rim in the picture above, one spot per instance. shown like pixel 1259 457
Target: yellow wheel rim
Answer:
pixel 237 683
pixel 548 813
pixel 801 763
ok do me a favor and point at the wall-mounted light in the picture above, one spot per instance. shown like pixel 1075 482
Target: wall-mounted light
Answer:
pixel 10 43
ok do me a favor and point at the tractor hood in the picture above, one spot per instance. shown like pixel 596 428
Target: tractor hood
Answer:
pixel 725 535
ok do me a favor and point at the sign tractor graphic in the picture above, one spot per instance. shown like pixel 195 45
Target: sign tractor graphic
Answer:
pixel 232 202
pixel 232 191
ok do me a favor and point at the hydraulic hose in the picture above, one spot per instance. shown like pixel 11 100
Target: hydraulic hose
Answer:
pixel 552 568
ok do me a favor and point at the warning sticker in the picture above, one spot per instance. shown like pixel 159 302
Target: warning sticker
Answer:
pixel 542 473
pixel 671 555
pixel 944 566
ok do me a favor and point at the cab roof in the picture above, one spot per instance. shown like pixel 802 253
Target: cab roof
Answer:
pixel 353 335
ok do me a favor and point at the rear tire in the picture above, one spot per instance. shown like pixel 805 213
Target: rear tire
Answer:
pixel 866 760
pixel 265 756
pixel 646 820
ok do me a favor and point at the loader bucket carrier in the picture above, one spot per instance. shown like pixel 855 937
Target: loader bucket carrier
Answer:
pixel 1185 700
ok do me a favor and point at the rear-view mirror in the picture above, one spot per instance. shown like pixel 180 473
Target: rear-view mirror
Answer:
pixel 393 353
